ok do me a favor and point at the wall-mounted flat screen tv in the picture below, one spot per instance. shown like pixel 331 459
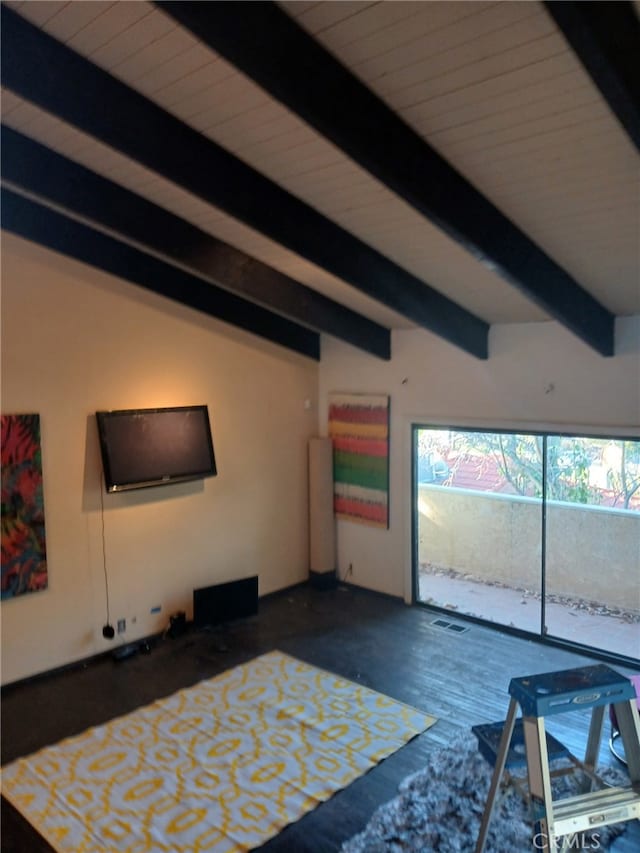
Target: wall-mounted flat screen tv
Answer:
pixel 153 447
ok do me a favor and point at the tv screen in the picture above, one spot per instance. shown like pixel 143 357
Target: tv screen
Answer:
pixel 152 447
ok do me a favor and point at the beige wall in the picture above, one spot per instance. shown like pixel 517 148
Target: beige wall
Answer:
pixel 74 341
pixel 538 376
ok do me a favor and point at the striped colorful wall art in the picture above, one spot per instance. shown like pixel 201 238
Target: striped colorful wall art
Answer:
pixel 359 429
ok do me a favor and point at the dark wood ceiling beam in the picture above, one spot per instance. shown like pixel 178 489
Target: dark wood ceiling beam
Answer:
pixel 49 228
pixel 80 193
pixel 44 71
pixel 606 39
pixel 265 43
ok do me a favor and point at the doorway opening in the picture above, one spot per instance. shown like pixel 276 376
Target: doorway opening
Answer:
pixel 535 532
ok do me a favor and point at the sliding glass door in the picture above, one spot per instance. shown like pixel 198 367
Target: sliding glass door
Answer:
pixel 592 589
pixel 532 531
pixel 478 524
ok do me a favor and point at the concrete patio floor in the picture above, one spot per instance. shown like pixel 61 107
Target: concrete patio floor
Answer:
pixel 514 608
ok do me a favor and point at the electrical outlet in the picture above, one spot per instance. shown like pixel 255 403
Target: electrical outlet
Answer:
pixel 122 626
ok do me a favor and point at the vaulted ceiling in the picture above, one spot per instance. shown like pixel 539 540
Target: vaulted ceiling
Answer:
pixel 338 168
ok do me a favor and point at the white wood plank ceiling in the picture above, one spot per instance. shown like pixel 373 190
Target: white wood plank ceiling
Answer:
pixel 492 86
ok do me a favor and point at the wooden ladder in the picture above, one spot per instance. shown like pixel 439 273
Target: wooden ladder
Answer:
pixel 550 693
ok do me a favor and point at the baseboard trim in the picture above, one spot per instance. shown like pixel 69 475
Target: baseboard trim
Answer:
pixel 93 659
pixel 323 580
pixel 81 663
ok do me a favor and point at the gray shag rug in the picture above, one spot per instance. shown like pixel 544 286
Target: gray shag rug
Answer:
pixel 440 809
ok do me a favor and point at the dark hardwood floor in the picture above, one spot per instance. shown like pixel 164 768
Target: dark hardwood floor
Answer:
pixel 372 639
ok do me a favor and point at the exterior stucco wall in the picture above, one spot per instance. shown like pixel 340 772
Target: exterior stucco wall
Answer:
pixel 592 552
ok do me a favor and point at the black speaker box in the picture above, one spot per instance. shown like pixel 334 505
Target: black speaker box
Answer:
pixel 224 602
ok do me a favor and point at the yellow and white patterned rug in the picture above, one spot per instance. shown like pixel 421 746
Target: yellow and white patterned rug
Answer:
pixel 220 767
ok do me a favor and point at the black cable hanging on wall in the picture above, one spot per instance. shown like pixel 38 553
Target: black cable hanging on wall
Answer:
pixel 107 629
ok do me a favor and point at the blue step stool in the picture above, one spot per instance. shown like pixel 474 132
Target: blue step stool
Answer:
pixel 546 694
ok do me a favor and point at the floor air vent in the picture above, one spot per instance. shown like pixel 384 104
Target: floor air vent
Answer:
pixel 450 626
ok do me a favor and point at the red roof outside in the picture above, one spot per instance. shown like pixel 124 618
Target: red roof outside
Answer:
pixel 482 473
